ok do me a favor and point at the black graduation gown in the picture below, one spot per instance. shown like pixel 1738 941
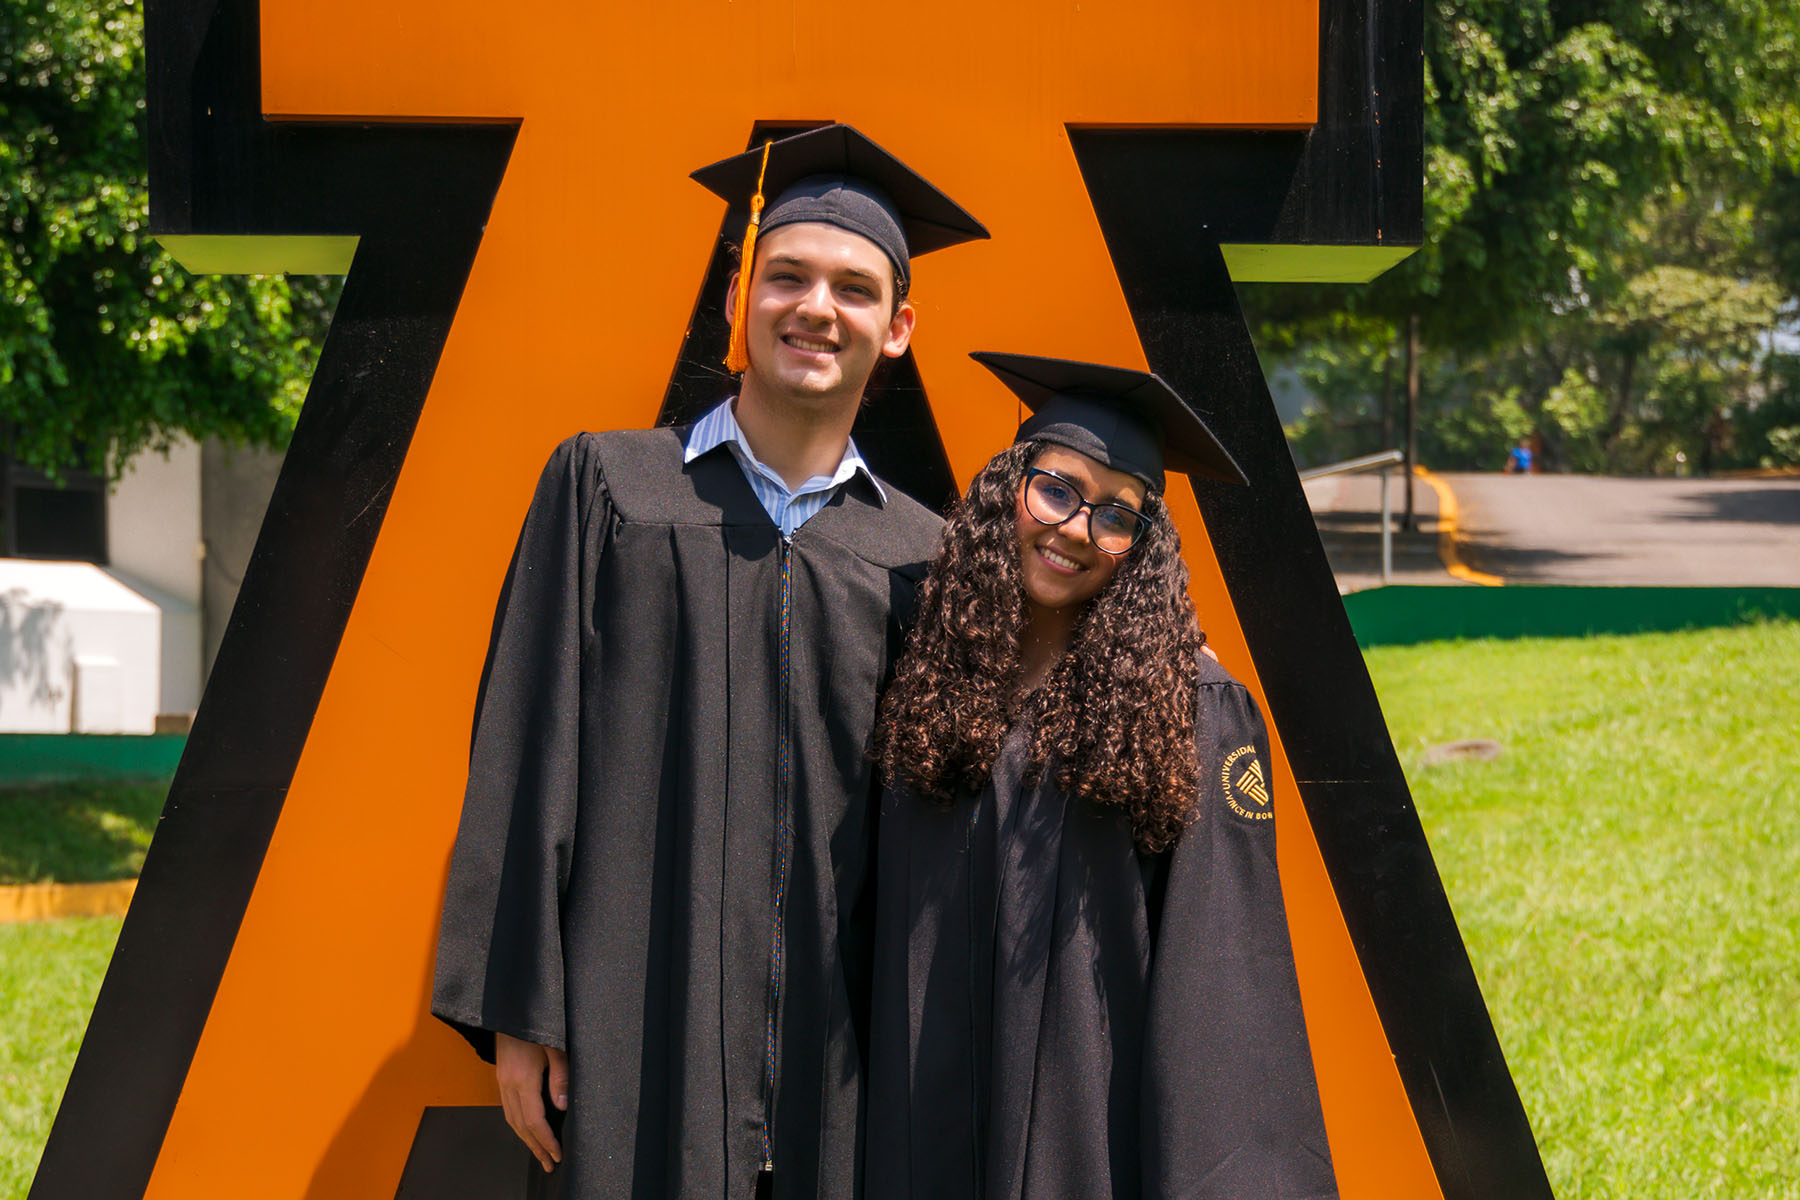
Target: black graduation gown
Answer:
pixel 643 775
pixel 1057 1015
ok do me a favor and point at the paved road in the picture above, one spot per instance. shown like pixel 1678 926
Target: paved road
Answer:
pixel 1347 509
pixel 1658 532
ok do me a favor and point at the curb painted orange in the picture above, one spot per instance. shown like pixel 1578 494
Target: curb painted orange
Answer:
pixel 1448 544
pixel 49 901
pixel 1757 473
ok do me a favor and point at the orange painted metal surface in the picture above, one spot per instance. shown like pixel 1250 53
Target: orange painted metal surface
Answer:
pixel 977 68
pixel 320 1053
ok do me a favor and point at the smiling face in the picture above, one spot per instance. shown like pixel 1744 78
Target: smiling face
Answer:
pixel 821 316
pixel 1059 566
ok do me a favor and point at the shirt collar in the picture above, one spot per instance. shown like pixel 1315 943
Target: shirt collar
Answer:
pixel 719 427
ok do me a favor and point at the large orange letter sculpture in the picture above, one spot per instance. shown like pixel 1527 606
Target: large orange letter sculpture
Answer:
pixel 506 186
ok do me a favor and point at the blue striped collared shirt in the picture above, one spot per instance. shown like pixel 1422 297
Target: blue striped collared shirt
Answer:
pixel 788 509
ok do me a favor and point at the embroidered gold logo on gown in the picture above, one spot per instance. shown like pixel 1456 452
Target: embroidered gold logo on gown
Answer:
pixel 1246 788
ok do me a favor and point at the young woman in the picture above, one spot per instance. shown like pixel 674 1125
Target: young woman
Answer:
pixel 1083 984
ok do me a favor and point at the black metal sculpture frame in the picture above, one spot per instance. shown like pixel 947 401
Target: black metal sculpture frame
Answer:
pixel 417 197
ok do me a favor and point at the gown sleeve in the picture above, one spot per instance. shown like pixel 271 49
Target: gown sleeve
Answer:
pixel 499 954
pixel 1231 1107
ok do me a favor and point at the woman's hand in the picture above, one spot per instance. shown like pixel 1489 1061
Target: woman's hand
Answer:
pixel 519 1066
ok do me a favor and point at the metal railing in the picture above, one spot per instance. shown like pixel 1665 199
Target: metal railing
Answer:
pixel 1384 462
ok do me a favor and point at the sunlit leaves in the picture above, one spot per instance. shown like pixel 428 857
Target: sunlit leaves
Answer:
pixel 106 342
pixel 1612 209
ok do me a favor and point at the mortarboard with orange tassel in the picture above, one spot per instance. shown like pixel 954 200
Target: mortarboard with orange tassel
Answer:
pixel 834 175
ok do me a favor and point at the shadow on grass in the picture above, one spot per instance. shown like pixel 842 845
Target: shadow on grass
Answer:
pixel 77 832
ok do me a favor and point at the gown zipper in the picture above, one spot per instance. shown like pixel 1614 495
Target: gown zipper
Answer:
pixel 783 848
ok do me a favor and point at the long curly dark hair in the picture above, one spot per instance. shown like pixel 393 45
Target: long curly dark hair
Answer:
pixel 1115 717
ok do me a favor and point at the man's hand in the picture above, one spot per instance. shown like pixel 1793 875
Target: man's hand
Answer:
pixel 519 1066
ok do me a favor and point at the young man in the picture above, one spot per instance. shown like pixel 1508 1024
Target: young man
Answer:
pixel 658 915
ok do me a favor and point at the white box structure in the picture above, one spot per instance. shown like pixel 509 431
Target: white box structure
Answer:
pixel 56 614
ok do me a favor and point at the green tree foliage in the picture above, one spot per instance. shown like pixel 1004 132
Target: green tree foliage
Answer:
pixel 1611 221
pixel 107 346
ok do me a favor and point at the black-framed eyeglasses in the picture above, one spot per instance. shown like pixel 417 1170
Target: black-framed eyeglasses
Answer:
pixel 1052 500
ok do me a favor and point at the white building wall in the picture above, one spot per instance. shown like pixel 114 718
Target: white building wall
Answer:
pixel 154 543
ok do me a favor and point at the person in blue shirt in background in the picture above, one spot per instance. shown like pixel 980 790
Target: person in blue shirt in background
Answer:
pixel 1520 460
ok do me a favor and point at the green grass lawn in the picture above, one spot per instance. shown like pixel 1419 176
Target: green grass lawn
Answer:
pixel 77 832
pixel 1625 878
pixel 49 974
pixel 50 971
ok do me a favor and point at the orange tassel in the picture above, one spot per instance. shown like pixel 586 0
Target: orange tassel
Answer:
pixel 737 355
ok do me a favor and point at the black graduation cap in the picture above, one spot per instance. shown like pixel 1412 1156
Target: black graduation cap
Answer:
pixel 1129 420
pixel 837 176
